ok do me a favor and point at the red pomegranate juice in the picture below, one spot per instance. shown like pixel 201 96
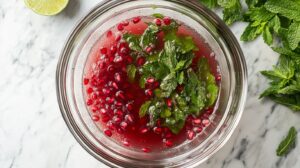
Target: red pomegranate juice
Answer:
pixel 142 110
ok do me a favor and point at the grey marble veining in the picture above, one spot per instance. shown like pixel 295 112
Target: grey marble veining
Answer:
pixel 34 135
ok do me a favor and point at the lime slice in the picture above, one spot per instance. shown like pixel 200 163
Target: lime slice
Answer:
pixel 46 7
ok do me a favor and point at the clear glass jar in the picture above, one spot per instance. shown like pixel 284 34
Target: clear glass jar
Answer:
pixel 227 53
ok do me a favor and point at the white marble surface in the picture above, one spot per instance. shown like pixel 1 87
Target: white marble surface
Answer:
pixel 34 135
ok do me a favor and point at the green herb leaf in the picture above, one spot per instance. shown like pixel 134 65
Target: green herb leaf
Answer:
pixel 149 36
pixel 204 74
pixel 158 15
pixel 168 85
pixel 133 41
pixel 287 8
pixel 131 71
pixel 251 33
pixel 268 37
pixel 232 10
pixel 144 109
pixel 287 143
pixel 293 35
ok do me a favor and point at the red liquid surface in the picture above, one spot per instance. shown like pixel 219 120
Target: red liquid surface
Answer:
pixel 114 102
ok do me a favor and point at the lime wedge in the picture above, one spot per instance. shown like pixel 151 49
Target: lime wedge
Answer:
pixel 46 7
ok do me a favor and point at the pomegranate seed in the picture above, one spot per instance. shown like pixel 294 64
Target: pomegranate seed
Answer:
pixel 117 120
pixel 103 111
pixel 209 111
pixel 190 135
pixel 114 84
pixel 94 109
pixel 123 125
pixel 120 27
pixel 218 77
pixel 118 103
pixel 113 50
pixel 167 20
pixel 157 130
pixel 107 132
pixel 86 81
pixel 205 122
pixel 140 61
pixel 103 50
pixel 149 92
pixel 110 100
pixel 144 130
pixel 168 143
pixel 89 90
pixel 118 38
pixel 169 102
pixel 157 22
pixel 105 91
pixel 149 49
pixel 146 150
pixel 156 84
pixel 118 77
pixel 110 68
pixel 129 118
pixel 89 102
pixel 95 118
pixel 129 106
pixel 118 112
pixel 150 80
pixel 126 143
pixel 129 59
pixel 111 126
pixel 120 94
pixel 197 129
pixel 196 121
pixel 125 23
pixel 136 20
pixel 118 59
pixel 105 118
pixel 94 96
pixel 109 33
pixel 123 51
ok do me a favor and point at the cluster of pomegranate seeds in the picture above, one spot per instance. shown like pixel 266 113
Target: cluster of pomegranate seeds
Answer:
pixel 114 102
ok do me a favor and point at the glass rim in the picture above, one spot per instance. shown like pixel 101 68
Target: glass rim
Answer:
pixel 64 59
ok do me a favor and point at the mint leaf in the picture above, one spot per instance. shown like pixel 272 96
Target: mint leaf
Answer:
pixel 158 15
pixel 149 36
pixel 131 71
pixel 133 41
pixel 168 85
pixel 275 24
pixel 287 8
pixel 287 143
pixel 232 10
pixel 268 37
pixel 204 74
pixel 291 101
pixel 285 70
pixel 168 57
pixel 293 34
pixel 251 32
pixel 144 109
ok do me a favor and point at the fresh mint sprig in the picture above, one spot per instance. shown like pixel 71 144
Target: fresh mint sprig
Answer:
pixel 170 66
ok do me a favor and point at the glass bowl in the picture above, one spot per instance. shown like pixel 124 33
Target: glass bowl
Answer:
pixel 227 53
